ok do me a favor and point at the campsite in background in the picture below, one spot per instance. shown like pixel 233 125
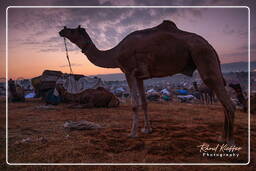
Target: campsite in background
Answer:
pixel 110 87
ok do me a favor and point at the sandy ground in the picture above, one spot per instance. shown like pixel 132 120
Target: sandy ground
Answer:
pixel 36 135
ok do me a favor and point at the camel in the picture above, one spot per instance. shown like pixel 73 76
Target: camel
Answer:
pixel 163 50
pixel 89 98
pixel 206 94
pixel 240 96
pixel 16 92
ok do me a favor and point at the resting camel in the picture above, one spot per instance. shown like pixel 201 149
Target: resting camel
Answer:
pixel 16 92
pixel 163 50
pixel 89 98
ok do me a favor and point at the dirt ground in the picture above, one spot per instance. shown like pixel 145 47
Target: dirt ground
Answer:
pixel 37 135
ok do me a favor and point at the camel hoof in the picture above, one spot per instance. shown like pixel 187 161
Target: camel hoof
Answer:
pixel 146 130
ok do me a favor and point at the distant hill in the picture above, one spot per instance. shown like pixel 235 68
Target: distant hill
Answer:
pixel 226 68
pixel 111 77
pixel 237 66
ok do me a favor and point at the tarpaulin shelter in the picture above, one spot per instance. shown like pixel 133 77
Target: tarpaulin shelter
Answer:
pixel 182 92
pixel 165 92
pixel 76 86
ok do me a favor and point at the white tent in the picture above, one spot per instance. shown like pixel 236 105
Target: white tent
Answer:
pixel 77 86
pixel 150 91
pixel 119 89
pixel 165 92
pixel 185 97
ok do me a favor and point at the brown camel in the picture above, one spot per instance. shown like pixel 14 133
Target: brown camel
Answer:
pixel 16 92
pixel 206 94
pixel 160 51
pixel 240 96
pixel 89 98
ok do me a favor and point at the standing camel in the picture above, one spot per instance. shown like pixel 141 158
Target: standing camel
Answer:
pixel 240 96
pixel 206 94
pixel 159 51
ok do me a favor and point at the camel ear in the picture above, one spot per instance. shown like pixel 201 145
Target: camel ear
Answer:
pixel 79 26
pixel 65 27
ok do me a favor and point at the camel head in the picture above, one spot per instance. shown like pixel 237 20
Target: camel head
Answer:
pixel 77 36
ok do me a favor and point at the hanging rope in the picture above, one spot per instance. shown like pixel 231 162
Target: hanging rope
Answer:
pixel 71 72
pixel 70 80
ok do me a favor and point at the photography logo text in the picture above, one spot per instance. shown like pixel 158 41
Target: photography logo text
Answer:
pixel 219 150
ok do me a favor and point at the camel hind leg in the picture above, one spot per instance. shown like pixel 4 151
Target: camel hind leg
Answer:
pixel 210 73
pixel 147 126
pixel 229 109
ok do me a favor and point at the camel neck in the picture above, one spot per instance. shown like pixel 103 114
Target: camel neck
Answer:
pixel 105 59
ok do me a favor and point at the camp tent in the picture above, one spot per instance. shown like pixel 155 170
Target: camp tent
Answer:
pixel 150 91
pixel 119 90
pixel 182 92
pixel 76 86
pixel 165 92
pixel 185 98
pixel 25 84
pixel 2 88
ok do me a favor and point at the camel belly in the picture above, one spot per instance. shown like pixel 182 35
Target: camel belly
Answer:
pixel 163 62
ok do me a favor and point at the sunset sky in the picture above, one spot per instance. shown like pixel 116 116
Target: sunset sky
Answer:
pixel 34 43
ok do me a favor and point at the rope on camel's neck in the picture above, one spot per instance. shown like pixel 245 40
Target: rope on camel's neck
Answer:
pixel 65 43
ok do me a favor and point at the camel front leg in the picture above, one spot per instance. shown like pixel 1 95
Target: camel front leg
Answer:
pixel 147 126
pixel 135 104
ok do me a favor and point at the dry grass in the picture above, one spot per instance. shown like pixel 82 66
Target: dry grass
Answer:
pixel 177 131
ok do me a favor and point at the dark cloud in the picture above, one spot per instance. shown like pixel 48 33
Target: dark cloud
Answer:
pixel 57 46
pixel 72 65
pixel 47 50
pixel 106 26
pixel 46 23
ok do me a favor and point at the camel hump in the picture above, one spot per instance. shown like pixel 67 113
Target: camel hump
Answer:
pixel 167 25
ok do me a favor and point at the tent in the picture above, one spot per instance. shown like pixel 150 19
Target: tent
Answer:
pixel 30 95
pixel 185 98
pixel 182 92
pixel 26 84
pixel 120 89
pixel 47 81
pixel 165 92
pixel 151 91
pixel 76 86
pixel 2 88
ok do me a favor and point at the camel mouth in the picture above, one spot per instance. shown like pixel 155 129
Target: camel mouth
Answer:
pixel 61 34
